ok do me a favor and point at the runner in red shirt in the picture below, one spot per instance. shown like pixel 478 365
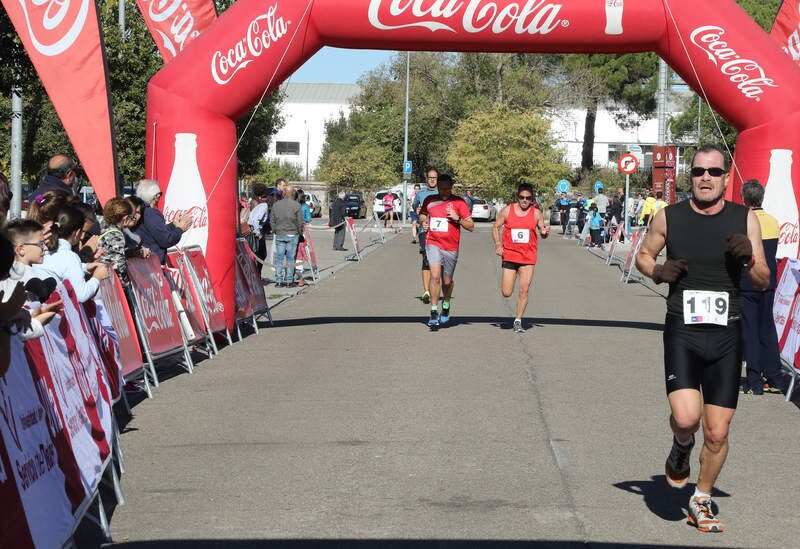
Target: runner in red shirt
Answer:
pixel 519 246
pixel 442 216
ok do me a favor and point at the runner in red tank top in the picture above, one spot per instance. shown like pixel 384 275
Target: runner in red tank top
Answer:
pixel 519 246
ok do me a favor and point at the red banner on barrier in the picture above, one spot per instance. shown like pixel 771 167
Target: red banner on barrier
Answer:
pixel 119 311
pixel 63 41
pixel 174 24
pixel 214 308
pixel 244 299
pixel 186 291
pixel 154 300
pixel 786 29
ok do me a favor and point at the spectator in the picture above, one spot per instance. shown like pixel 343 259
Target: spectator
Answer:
pixel 601 200
pixel 29 246
pixel 133 240
pixel 582 207
pixel 595 226
pixel 759 339
pixel 280 186
pixel 647 210
pixel 45 208
pixel 637 214
pixel 413 215
pixel 388 213
pixel 468 198
pixel 61 175
pixel 12 298
pixel 287 224
pixel 258 221
pixel 338 212
pixel 615 215
pixel 657 205
pixel 64 264
pixel 88 246
pixel 301 256
pixel 630 208
pixel 563 210
pixel 5 200
pixel 155 232
pixel 118 214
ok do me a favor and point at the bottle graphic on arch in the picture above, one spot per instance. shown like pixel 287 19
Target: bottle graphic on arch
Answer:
pixel 614 16
pixel 781 203
pixel 186 192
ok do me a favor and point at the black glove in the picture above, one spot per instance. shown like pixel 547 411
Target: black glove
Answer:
pixel 670 271
pixel 741 249
pixel 41 288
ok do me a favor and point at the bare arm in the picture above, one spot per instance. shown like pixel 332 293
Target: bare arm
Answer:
pixel 654 242
pixel 544 230
pixel 496 228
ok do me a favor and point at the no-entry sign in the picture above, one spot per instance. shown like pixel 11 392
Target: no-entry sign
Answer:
pixel 628 164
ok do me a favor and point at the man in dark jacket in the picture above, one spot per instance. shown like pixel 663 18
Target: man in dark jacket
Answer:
pixel 155 232
pixel 60 176
pixel 337 218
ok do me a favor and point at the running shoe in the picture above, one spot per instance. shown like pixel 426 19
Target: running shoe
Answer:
pixel 445 314
pixel 433 323
pixel 768 388
pixel 426 298
pixel 677 465
pixel 702 517
pixel 518 329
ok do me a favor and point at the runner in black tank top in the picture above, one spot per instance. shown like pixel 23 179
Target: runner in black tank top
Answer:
pixel 709 242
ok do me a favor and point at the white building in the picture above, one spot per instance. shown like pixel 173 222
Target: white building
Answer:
pixel 307 107
pixel 305 110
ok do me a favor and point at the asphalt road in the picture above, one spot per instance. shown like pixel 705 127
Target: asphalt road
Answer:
pixel 348 423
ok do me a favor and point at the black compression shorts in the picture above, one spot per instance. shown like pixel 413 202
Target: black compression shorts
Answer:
pixel 513 266
pixel 707 357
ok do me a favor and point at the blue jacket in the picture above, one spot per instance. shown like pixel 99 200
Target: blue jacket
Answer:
pixel 50 183
pixel 157 234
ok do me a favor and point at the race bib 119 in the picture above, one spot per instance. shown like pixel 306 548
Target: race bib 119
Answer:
pixel 701 307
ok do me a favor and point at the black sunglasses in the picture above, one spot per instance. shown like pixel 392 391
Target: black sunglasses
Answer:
pixel 525 196
pixel 697 171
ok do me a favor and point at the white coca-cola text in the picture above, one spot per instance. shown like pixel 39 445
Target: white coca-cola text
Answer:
pixel 155 309
pixel 181 26
pixel 790 234
pixel 199 215
pixel 54 25
pixel 529 17
pixel 792 47
pixel 748 75
pixel 262 32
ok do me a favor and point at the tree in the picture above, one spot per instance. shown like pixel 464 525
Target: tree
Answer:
pixel 496 149
pixel 698 123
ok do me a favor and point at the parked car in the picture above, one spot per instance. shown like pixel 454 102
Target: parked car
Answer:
pixel 555 216
pixel 482 210
pixel 354 205
pixel 377 202
pixel 314 203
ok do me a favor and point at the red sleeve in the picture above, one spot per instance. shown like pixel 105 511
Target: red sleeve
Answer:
pixel 463 209
pixel 424 209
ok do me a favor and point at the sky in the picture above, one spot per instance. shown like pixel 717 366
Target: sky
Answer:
pixel 340 66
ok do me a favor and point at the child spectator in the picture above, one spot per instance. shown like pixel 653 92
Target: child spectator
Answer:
pixel 64 264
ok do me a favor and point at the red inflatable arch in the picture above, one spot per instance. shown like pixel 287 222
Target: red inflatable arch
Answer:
pixel 192 102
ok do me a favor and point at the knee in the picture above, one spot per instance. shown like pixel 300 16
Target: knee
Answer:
pixel 507 293
pixel 523 293
pixel 715 437
pixel 685 421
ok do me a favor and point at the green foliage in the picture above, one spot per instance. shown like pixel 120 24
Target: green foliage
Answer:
pixel 762 11
pixel 268 171
pixel 496 149
pixel 132 60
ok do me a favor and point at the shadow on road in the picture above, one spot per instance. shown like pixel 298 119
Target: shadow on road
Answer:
pixel 663 501
pixel 383 544
pixel 501 322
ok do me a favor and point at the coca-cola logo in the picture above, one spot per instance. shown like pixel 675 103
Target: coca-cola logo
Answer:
pixel 54 25
pixel 262 32
pixel 181 26
pixel 747 74
pixel 790 234
pixel 155 309
pixel 529 17
pixel 199 215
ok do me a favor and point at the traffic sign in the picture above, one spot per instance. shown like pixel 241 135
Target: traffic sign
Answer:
pixel 563 186
pixel 628 164
pixel 407 167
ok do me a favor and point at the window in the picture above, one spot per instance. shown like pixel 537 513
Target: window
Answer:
pixel 287 147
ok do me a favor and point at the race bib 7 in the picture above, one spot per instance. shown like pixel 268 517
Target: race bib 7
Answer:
pixel 439 224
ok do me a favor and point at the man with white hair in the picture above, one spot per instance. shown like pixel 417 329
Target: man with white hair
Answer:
pixel 155 232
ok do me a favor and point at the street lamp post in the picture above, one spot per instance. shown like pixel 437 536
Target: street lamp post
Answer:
pixel 308 138
pixel 405 143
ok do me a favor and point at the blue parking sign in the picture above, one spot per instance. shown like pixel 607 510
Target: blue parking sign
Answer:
pixel 407 166
pixel 563 186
